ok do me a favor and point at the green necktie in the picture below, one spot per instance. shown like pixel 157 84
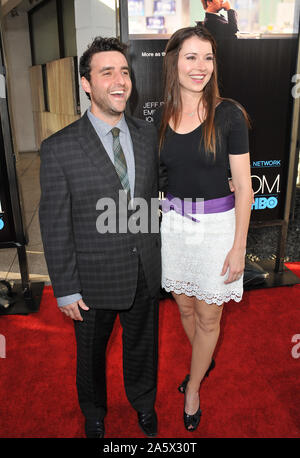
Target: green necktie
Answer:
pixel 120 161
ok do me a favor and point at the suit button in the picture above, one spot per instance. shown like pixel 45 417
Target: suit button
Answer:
pixel 134 250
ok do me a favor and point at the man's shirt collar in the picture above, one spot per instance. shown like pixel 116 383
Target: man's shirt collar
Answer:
pixel 102 127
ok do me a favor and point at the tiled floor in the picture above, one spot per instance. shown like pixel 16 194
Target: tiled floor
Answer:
pixel 28 166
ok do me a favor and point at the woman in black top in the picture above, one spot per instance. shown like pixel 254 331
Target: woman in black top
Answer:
pixel 204 226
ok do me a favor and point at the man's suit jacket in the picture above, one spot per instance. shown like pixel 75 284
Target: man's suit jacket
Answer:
pixel 219 27
pixel 75 173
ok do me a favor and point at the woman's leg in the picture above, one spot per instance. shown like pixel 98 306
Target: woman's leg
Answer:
pixel 186 307
pixel 207 330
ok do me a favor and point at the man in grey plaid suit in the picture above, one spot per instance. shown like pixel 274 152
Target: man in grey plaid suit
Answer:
pixel 95 273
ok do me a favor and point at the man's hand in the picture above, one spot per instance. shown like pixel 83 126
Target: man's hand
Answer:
pixel 72 310
pixel 226 6
pixel 214 6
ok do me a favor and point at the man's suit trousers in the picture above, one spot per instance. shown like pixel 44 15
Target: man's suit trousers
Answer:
pixel 140 351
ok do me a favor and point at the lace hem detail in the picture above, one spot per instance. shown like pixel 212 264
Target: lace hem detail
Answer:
pixel 191 289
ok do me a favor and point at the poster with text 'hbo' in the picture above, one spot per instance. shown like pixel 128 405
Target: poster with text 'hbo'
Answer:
pixel 256 67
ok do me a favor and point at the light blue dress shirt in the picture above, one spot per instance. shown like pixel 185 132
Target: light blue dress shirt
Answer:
pixel 103 131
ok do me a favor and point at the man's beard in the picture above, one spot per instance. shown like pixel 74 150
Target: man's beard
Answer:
pixel 109 110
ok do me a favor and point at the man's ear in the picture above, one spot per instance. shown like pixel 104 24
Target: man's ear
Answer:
pixel 85 85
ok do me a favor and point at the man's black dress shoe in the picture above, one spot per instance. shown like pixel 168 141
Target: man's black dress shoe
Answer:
pixel 148 422
pixel 94 429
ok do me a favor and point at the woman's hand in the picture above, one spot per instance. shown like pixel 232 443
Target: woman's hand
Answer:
pixel 235 263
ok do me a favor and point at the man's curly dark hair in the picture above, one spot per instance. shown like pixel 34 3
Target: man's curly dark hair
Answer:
pixel 99 45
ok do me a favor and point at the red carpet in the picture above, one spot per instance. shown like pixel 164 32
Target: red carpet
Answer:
pixel 254 391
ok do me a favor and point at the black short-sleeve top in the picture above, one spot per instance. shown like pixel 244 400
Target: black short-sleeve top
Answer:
pixel 188 172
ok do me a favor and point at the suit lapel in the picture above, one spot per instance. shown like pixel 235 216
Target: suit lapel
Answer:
pixel 95 151
pixel 140 155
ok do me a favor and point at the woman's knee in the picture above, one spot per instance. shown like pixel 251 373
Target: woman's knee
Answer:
pixel 208 322
pixel 186 310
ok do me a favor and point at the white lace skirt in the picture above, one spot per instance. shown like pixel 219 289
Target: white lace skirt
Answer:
pixel 193 254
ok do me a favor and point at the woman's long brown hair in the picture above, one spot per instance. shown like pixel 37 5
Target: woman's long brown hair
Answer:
pixel 172 108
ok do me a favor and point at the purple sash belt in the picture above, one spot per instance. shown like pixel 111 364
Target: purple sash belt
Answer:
pixel 186 206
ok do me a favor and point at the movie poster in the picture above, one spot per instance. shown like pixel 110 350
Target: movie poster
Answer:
pixel 257 46
pixel 225 19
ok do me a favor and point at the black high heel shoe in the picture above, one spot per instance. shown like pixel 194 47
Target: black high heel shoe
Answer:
pixel 191 422
pixel 183 385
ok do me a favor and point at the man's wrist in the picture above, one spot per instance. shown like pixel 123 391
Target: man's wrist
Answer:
pixel 66 300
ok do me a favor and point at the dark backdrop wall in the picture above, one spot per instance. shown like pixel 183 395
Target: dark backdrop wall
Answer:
pixel 257 73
